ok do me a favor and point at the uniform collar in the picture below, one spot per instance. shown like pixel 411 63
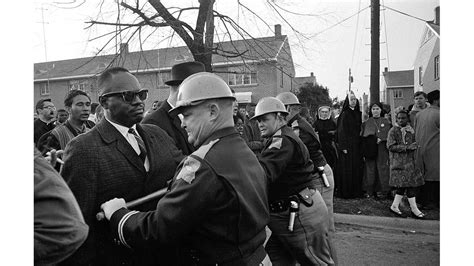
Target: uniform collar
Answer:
pixel 223 132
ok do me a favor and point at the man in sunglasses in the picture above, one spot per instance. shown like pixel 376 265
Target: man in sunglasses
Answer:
pixel 171 123
pixel 216 207
pixel 118 158
pixel 46 117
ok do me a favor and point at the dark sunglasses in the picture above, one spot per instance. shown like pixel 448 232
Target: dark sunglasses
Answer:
pixel 129 96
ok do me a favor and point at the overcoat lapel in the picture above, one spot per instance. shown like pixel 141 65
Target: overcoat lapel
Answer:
pixel 176 122
pixel 110 134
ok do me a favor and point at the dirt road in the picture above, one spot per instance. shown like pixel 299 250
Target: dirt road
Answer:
pixel 360 245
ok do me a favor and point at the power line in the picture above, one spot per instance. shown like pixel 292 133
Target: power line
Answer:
pixel 403 13
pixel 330 27
pixel 355 37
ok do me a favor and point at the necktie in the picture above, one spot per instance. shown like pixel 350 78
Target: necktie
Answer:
pixel 141 144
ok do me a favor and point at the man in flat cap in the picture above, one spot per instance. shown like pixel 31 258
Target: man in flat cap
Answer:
pixel 171 123
pixel 117 158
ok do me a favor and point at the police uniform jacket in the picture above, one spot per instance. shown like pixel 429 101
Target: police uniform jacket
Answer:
pixel 287 164
pixel 216 206
pixel 101 165
pixel 306 133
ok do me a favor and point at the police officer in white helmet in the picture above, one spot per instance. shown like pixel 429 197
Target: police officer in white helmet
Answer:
pixel 216 207
pixel 325 182
pixel 298 214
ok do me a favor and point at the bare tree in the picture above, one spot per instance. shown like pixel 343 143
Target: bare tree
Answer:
pixel 200 38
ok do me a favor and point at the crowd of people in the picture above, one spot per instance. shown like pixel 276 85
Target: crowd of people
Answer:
pixel 197 179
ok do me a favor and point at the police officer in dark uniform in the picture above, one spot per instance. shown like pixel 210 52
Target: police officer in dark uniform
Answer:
pixel 325 182
pixel 217 206
pixel 298 214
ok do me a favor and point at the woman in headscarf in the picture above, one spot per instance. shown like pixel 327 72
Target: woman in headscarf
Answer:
pixel 325 126
pixel 349 170
pixel 375 153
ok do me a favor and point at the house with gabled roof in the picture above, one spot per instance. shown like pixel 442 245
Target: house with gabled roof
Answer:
pixel 397 88
pixel 302 81
pixel 426 65
pixel 264 67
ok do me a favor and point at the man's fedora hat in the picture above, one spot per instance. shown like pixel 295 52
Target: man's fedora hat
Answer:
pixel 180 72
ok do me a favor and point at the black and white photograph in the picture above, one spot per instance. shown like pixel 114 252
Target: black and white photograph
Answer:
pixel 248 132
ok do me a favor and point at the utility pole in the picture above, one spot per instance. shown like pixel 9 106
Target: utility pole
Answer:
pixel 351 79
pixel 375 51
pixel 44 34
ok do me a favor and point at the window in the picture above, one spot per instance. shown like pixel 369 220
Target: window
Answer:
pixel 77 85
pixel 44 89
pixel 436 67
pixel 180 58
pixel 162 78
pixel 420 75
pixel 245 78
pixel 397 94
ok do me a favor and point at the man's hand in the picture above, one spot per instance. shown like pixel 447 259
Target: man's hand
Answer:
pixel 344 151
pixel 112 206
pixel 52 157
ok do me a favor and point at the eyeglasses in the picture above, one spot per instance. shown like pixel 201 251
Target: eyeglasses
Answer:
pixel 129 96
pixel 51 107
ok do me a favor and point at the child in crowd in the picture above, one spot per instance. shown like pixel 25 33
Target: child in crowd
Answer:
pixel 404 176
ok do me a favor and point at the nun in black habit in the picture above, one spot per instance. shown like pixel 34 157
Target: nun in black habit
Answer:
pixel 349 165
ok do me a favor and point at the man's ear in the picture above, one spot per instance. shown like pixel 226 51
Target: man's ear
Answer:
pixel 103 102
pixel 214 110
pixel 68 109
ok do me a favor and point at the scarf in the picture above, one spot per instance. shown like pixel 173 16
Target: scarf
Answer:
pixel 404 131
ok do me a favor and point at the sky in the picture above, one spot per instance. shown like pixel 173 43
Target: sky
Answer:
pixel 328 51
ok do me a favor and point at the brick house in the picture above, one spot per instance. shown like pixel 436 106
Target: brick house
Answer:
pixel 265 69
pixel 301 81
pixel 398 88
pixel 426 65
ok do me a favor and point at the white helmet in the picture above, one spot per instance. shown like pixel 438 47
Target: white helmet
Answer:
pixel 199 87
pixel 288 98
pixel 268 105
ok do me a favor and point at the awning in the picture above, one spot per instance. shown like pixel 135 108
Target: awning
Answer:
pixel 244 97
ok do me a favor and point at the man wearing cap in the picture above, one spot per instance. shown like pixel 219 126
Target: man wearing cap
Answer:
pixel 298 214
pixel 216 206
pixel 302 129
pixel 46 118
pixel 168 122
pixel 117 158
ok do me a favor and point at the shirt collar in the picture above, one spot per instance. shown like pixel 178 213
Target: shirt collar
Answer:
pixel 123 130
pixel 172 106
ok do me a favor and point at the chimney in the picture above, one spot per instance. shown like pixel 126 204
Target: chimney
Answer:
pixel 124 48
pixel 312 74
pixel 386 69
pixel 437 16
pixel 277 31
